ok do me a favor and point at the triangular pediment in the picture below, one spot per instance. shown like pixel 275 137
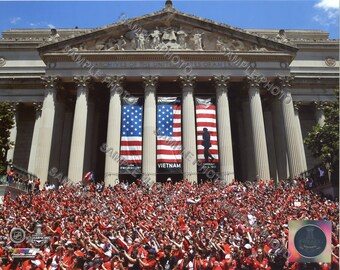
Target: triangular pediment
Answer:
pixel 169 29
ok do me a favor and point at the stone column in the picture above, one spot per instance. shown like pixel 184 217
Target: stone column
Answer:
pixel 224 130
pixel 299 131
pixel 77 152
pixel 268 122
pixel 189 155
pixel 67 136
pixel 13 132
pixel 149 165
pixel 319 112
pixel 97 131
pixel 248 149
pixel 46 129
pixel 291 130
pixel 259 135
pixel 113 128
pixel 279 140
pixel 90 141
pixel 243 174
pixel 57 139
pixel 35 142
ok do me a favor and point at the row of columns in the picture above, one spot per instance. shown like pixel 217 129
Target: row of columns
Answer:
pixel 149 127
pixel 43 130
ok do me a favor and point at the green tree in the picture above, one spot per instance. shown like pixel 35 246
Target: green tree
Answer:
pixel 323 141
pixel 6 123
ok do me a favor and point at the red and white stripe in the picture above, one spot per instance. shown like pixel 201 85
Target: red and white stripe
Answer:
pixel 169 149
pixel 131 149
pixel 206 118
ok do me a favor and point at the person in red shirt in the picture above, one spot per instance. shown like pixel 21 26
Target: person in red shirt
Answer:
pixel 260 262
pixel 68 258
pixel 36 184
pixel 201 261
pixel 149 263
pixel 10 176
pixel 114 264
pixel 185 263
pixel 56 231
pixel 218 262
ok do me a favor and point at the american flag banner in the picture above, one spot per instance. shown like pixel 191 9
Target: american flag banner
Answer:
pixel 207 144
pixel 169 135
pixel 131 135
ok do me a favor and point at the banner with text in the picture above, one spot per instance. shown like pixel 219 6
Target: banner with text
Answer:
pixel 131 136
pixel 169 135
pixel 207 144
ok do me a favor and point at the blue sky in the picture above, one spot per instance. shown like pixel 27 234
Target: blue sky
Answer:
pixel 270 14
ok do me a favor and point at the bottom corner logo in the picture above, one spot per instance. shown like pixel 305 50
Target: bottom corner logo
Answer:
pixel 17 235
pixel 310 241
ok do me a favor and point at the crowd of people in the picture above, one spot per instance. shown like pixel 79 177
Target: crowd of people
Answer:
pixel 181 226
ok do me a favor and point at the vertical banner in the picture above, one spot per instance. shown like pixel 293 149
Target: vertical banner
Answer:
pixel 131 136
pixel 169 135
pixel 207 144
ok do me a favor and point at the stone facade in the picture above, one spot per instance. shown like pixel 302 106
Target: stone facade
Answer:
pixel 66 88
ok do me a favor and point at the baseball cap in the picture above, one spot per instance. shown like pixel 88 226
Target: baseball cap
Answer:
pixel 247 246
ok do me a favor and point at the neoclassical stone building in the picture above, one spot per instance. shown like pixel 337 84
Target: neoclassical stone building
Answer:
pixel 165 95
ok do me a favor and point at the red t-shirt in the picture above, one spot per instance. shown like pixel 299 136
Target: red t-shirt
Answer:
pixel 218 265
pixel 257 265
pixel 108 265
pixel 151 265
pixel 68 260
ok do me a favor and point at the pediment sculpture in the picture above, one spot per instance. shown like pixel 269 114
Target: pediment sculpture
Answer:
pixel 169 38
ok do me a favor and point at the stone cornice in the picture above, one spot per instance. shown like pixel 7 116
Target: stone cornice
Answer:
pixel 159 56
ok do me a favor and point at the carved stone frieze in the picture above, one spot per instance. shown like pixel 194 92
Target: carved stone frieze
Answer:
pixel 163 38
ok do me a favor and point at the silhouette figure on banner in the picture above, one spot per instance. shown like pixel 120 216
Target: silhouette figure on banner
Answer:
pixel 206 144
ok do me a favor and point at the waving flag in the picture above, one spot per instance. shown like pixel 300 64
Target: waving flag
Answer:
pixel 131 135
pixel 169 134
pixel 207 144
pixel 89 176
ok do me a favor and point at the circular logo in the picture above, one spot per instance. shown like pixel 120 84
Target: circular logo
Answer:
pixel 310 241
pixel 17 235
